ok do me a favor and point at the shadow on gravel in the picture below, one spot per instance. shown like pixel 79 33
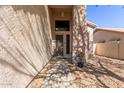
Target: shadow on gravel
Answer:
pixel 61 73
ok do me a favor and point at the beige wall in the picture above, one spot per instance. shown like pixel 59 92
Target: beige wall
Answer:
pixel 90 31
pixel 121 51
pixel 25 43
pixel 113 50
pixel 107 35
pixel 90 41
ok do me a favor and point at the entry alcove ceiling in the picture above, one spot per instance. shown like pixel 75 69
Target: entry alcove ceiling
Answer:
pixel 60 6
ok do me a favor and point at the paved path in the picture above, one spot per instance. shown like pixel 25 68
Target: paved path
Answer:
pixel 98 72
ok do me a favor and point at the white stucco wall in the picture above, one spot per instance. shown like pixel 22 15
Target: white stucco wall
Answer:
pixel 25 43
pixel 90 46
pixel 90 30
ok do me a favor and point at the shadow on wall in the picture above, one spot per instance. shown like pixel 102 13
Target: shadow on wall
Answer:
pixel 25 42
pixel 79 29
pixel 80 34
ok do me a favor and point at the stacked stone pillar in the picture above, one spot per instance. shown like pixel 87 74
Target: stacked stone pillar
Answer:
pixel 79 33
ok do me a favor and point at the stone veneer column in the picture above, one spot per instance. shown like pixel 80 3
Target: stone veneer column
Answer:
pixel 79 33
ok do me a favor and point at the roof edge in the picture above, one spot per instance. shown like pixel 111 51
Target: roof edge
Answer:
pixel 110 29
pixel 91 24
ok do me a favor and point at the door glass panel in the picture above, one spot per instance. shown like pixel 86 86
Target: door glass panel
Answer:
pixel 67 44
pixel 59 44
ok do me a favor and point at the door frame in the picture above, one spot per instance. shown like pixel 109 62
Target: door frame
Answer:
pixel 64 33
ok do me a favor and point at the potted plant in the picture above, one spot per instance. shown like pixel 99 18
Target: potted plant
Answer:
pixel 82 56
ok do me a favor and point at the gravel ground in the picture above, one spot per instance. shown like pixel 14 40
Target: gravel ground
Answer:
pixel 98 72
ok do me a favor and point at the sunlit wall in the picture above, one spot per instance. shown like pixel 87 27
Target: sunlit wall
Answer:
pixel 25 43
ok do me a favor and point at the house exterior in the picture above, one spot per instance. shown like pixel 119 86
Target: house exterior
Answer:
pixel 30 34
pixel 108 35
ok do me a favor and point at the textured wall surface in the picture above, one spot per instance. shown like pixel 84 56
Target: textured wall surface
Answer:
pixel 121 51
pixel 90 40
pixel 107 49
pixel 25 43
pixel 107 36
pixel 79 33
pixel 113 50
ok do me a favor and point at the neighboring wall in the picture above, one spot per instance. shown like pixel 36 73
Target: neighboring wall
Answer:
pixel 25 43
pixel 113 50
pixel 107 36
pixel 90 40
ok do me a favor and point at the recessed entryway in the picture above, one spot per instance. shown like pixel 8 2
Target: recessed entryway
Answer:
pixel 61 25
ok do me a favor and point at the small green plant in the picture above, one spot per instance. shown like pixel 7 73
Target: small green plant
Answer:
pixel 82 55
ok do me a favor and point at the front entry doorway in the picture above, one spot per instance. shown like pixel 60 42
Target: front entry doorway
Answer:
pixel 60 45
pixel 63 44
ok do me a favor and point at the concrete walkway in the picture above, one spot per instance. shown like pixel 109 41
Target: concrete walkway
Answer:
pixel 98 72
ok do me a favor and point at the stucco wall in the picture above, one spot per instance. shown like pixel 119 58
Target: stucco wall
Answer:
pixel 107 49
pixel 90 31
pixel 107 35
pixel 121 51
pixel 90 40
pixel 25 43
pixel 113 50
